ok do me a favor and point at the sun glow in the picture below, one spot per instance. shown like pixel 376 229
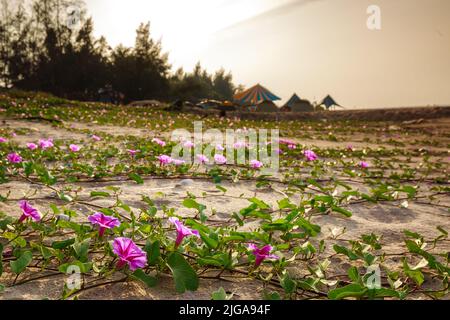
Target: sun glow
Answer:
pixel 185 27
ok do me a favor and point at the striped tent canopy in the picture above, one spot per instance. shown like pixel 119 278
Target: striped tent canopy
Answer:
pixel 255 95
pixel 328 102
pixel 293 100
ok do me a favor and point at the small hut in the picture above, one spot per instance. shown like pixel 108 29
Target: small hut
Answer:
pixel 295 104
pixel 329 102
pixel 258 99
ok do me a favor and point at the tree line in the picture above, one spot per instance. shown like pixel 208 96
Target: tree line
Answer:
pixel 48 45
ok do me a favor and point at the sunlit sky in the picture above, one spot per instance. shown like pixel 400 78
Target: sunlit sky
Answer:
pixel 311 47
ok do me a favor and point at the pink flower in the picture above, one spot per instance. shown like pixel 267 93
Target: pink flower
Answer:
pixel 219 147
pixel 28 211
pixel 14 158
pixel 3 140
pixel 255 164
pixel 292 146
pixel 74 148
pixel 164 159
pixel 104 222
pixel 310 155
pixel 129 253
pixel 278 151
pixel 178 162
pixel 262 254
pixel 202 158
pixel 45 144
pixel 96 138
pixel 220 159
pixel 32 146
pixel 363 164
pixel 350 147
pixel 132 152
pixel 14 134
pixel 188 144
pixel 239 145
pixel 182 231
pixel 159 141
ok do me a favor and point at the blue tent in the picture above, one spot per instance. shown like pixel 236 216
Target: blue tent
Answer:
pixel 329 102
pixel 293 100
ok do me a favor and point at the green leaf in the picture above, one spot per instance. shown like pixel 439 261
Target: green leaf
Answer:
pixel 100 194
pixel 238 219
pixel 63 243
pixel 221 295
pixel 19 265
pixel 310 229
pixel 2 288
pixel 54 208
pixel 353 274
pixel 192 204
pixel 271 296
pixel 411 234
pixel 210 240
pixel 287 284
pixel 261 204
pixel 153 251
pixel 145 278
pixel 285 203
pixel 137 178
pixel 343 211
pixel 347 252
pixel 224 190
pixel 416 275
pixel 351 290
pixel 81 249
pixel 184 276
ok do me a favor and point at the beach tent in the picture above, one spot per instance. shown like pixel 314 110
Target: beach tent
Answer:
pixel 329 102
pixel 259 97
pixel 295 104
pixel 267 106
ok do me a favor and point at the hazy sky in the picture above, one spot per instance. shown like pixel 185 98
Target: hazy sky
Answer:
pixel 311 47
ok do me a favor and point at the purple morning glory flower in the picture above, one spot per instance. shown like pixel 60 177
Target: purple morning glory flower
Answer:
pixel 132 152
pixel 202 158
pixel 164 159
pixel 178 162
pixel 28 211
pixel 129 253
pixel 74 148
pixel 262 254
pixel 104 222
pixel 14 158
pixel 255 164
pixel 159 141
pixel 220 159
pixel 45 144
pixel 182 231
pixel 32 146
pixel 363 164
pixel 310 155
